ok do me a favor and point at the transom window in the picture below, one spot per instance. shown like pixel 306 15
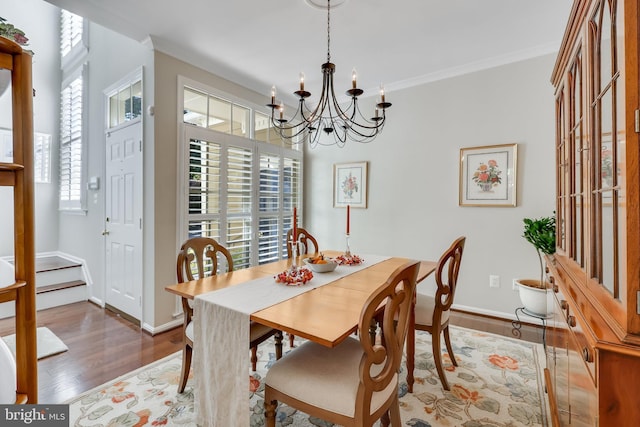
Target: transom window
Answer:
pixel 235 189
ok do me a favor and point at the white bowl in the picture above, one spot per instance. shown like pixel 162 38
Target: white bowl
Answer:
pixel 330 265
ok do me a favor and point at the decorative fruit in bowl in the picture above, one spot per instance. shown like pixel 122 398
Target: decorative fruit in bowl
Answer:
pixel 321 263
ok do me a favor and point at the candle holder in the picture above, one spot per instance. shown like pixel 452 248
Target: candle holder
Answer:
pixel 294 254
pixel 347 252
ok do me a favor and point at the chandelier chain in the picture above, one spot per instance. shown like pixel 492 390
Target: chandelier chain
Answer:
pixel 328 30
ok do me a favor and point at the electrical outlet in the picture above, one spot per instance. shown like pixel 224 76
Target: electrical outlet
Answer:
pixel 494 281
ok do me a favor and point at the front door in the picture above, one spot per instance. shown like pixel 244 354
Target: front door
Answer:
pixel 123 222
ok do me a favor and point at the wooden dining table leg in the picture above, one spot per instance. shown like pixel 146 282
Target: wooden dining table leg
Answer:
pixel 411 346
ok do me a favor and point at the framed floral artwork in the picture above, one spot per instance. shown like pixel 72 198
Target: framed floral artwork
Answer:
pixel 488 175
pixel 350 185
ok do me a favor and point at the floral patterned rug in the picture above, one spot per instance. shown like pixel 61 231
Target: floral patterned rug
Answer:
pixel 498 383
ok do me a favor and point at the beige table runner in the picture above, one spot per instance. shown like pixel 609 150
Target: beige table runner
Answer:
pixel 221 341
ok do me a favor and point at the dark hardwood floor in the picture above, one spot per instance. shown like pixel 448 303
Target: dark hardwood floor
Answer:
pixel 103 346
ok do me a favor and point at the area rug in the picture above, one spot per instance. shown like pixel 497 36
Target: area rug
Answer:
pixel 48 343
pixel 498 383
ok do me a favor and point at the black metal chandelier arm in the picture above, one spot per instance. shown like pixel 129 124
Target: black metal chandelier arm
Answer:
pixel 328 118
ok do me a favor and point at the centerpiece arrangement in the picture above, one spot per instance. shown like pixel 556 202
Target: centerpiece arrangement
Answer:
pixel 294 275
pixel 321 263
pixel 348 258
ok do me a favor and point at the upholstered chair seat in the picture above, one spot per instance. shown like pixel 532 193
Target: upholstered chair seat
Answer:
pixel 331 380
pixel 425 306
pixel 356 382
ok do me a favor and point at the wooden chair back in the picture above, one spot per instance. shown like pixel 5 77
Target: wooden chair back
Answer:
pixel 305 238
pixel 200 257
pixel 383 352
pixel 447 278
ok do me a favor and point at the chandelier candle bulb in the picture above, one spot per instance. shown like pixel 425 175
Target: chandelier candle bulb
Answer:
pixel 381 94
pixel 353 78
pixel 273 95
pixel 301 81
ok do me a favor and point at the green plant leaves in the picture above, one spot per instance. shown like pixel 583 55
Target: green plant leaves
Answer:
pixel 541 233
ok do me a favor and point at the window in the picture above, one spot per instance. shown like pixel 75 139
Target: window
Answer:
pixel 42 157
pixel 125 103
pixel 73 44
pixel 41 153
pixel 71 143
pixel 73 50
pixel 237 190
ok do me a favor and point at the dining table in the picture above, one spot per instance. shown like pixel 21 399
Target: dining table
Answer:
pixel 325 310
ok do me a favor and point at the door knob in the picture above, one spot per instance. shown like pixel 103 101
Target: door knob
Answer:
pixel 105 233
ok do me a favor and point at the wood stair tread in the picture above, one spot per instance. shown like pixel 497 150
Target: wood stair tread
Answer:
pixel 52 263
pixel 60 286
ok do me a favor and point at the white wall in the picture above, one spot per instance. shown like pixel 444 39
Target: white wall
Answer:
pixel 111 58
pixel 413 178
pixel 43 41
pixel 165 245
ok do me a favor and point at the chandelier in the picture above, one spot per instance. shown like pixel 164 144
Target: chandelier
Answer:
pixel 337 123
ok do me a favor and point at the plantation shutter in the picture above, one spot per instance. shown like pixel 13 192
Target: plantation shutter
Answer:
pixel 71 100
pixel 269 208
pixel 204 188
pixel 239 204
pixel 291 195
pixel 71 31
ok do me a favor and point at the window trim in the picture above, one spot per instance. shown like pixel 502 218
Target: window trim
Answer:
pixel 257 147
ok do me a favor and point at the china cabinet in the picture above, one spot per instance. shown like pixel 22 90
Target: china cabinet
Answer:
pixel 593 355
pixel 19 175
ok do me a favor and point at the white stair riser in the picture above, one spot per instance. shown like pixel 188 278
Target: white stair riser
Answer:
pixel 47 278
pixel 49 300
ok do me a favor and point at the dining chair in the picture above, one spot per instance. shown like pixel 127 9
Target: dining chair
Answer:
pixel 305 238
pixel 200 257
pixel 432 312
pixel 356 382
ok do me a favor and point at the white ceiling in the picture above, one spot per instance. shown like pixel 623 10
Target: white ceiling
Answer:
pixel 401 43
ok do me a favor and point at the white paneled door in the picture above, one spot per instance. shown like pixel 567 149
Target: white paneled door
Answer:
pixel 123 223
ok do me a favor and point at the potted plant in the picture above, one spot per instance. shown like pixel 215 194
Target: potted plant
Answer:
pixel 541 233
pixel 8 31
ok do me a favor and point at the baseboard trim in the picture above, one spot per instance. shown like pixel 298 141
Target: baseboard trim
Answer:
pixel 96 301
pixel 153 330
pixel 487 313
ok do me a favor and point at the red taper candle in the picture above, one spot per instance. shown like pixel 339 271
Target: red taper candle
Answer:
pixel 348 217
pixel 295 224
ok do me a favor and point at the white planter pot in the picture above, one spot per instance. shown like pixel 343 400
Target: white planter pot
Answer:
pixel 533 297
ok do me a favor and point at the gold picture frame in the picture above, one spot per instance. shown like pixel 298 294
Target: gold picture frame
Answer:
pixel 350 185
pixel 488 176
